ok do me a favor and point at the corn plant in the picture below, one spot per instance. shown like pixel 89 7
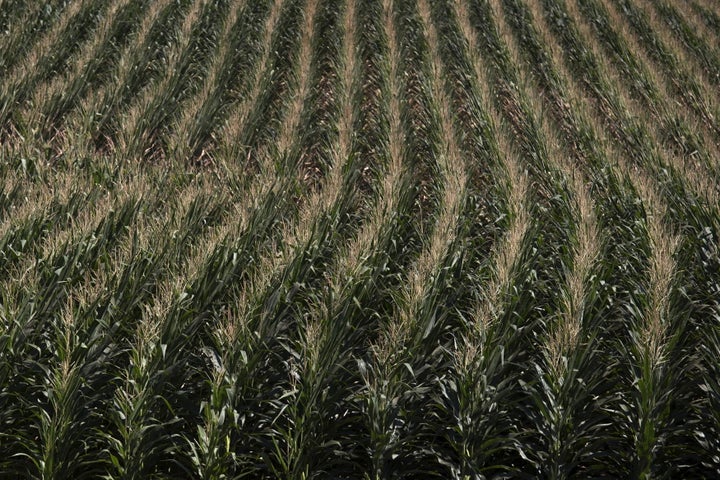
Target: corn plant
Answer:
pixel 684 85
pixel 371 239
pixel 22 27
pixel 706 55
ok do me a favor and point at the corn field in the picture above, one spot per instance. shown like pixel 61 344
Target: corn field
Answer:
pixel 359 239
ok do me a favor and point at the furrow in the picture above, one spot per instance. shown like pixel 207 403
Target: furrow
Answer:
pixel 646 453
pixel 34 311
pixel 704 22
pixel 281 300
pixel 34 57
pixel 359 239
pixel 383 227
pixel 698 176
pixel 196 121
pixel 144 126
pixel 418 319
pixel 489 439
pixel 675 55
pixel 334 322
pixel 193 98
pixel 607 291
pixel 710 18
pixel 625 127
pixel 279 100
pixel 52 100
pixel 43 213
pixel 247 92
pixel 94 123
pixel 705 56
pixel 48 59
pixel 229 144
pixel 506 253
pixel 232 260
pixel 678 127
pixel 23 28
pixel 679 80
pixel 164 343
pixel 10 10
pixel 550 433
pixel 581 140
pixel 87 343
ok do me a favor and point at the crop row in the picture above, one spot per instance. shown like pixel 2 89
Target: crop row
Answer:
pixel 359 239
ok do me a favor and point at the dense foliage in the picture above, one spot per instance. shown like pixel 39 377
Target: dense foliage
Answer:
pixel 359 239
